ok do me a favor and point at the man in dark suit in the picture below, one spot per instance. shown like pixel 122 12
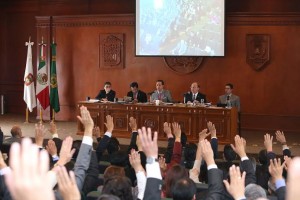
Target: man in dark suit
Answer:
pixel 107 94
pixel 136 94
pixel 194 96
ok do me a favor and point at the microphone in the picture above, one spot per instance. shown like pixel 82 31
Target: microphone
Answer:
pixel 228 97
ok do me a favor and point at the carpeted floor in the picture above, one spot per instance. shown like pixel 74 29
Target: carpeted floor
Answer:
pixel 254 139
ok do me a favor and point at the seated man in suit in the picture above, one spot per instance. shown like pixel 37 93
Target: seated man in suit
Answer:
pixel 229 98
pixel 194 96
pixel 136 94
pixel 160 93
pixel 107 94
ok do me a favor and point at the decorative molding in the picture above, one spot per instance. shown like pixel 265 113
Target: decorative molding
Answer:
pixel 258 50
pixel 263 19
pixel 111 53
pixel 94 20
pixel 183 64
pixel 43 21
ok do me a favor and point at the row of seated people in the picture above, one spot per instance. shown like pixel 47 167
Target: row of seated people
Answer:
pixel 140 173
pixel 161 94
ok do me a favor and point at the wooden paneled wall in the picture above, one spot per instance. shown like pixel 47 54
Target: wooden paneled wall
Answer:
pixel 269 97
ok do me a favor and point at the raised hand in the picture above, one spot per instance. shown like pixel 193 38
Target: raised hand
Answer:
pixel 203 134
pixel 135 161
pixel 276 169
pixel 212 129
pixel 268 142
pixel 149 145
pixel 162 164
pixel 40 133
pixel 280 137
pixel 240 146
pixel 2 162
pixel 67 184
pixel 109 123
pixel 236 187
pixel 53 128
pixel 28 179
pixel 66 151
pixel 51 148
pixel 293 183
pixel 133 124
pixel 287 162
pixel 167 130
pixel 96 131
pixel 177 131
pixel 207 152
pixel 87 121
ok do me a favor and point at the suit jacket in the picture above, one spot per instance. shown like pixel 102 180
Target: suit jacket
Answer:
pixel 110 96
pixel 153 189
pixel 141 96
pixel 216 187
pixel 234 100
pixel 247 166
pixel 165 96
pixel 189 97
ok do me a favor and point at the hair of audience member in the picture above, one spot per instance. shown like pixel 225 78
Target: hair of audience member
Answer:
pixel 112 171
pixel 175 173
pixel 262 157
pixel 183 139
pixel 161 81
pixel 76 145
pixel 134 85
pixel 16 131
pixel 229 153
pixel 190 155
pixel 119 158
pixel 253 161
pixel 113 145
pixel 184 189
pixel 118 186
pixel 254 191
pixel 107 83
pixel 108 197
pixel 230 85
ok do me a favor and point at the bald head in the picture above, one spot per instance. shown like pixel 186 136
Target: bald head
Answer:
pixel 16 131
pixel 195 87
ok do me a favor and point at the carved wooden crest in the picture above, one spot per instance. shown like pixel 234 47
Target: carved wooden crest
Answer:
pixel 258 50
pixel 111 50
pixel 183 64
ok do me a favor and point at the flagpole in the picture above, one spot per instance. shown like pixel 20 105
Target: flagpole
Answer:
pixel 26 120
pixel 53 115
pixel 41 116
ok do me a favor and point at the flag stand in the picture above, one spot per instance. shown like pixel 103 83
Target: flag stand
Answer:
pixel 26 120
pixel 53 115
pixel 41 116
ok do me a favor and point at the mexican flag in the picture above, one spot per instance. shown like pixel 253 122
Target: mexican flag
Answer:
pixel 54 99
pixel 29 91
pixel 42 86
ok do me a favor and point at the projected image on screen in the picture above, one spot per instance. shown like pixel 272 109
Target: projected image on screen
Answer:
pixel 180 27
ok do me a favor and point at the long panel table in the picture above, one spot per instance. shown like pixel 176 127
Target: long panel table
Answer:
pixel 191 119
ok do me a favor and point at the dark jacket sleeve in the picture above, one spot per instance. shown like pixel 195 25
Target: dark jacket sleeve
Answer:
pixel 280 193
pixel 169 151
pixel 4 193
pixel 100 95
pixel 153 189
pixel 142 97
pixel 1 138
pixel 247 166
pixel 132 144
pixel 91 181
pixel 102 146
pixel 214 146
pixel 216 187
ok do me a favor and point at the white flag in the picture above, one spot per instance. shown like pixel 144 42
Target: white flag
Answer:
pixel 29 91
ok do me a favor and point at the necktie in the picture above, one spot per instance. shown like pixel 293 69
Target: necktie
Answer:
pixel 194 97
pixel 159 96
